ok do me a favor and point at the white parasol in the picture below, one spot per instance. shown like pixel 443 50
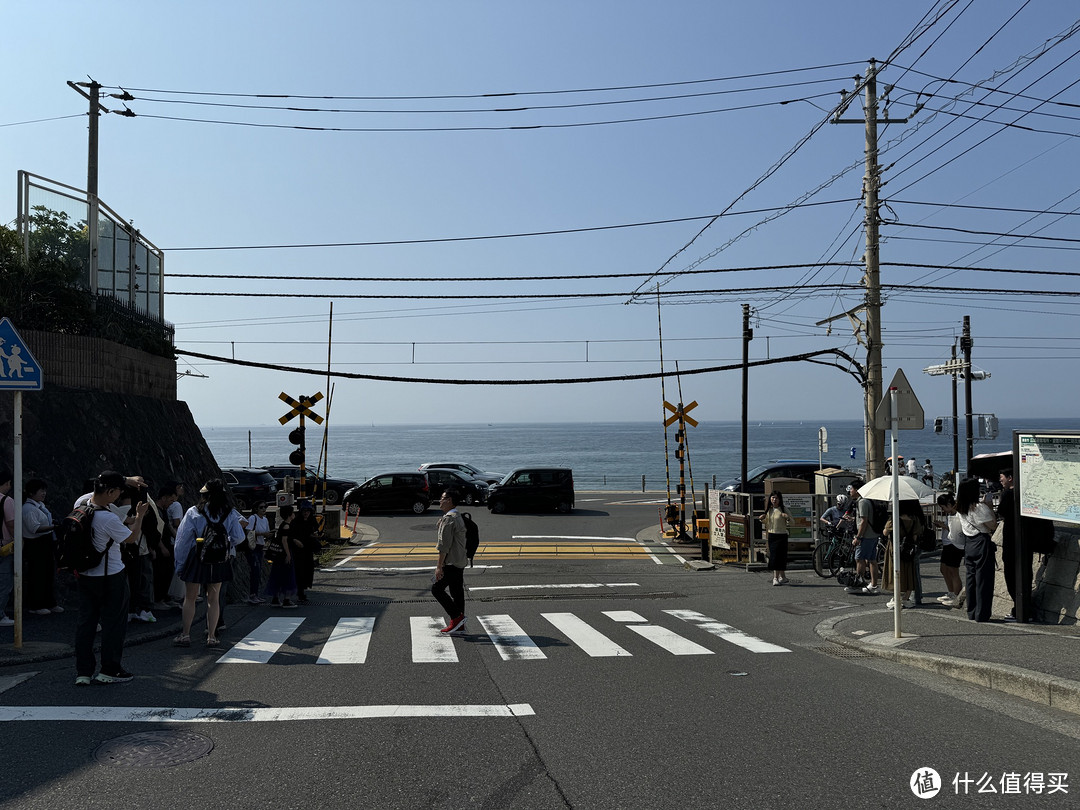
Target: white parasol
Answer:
pixel 908 489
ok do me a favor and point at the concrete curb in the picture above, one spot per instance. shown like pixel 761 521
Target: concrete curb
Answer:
pixel 1038 687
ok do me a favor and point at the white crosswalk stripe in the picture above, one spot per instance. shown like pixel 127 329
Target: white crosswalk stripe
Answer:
pixel 259 646
pixel 348 644
pixel 509 639
pixel 592 641
pixel 350 639
pixel 429 644
pixel 726 632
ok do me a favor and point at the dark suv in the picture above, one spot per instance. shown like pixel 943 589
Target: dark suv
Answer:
pixel 249 485
pixel 782 468
pixel 388 492
pixel 540 488
pixel 440 480
pixel 313 484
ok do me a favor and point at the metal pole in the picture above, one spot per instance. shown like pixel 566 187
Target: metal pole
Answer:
pixel 895 429
pixel 92 185
pixel 16 497
pixel 965 347
pixel 1020 543
pixel 747 335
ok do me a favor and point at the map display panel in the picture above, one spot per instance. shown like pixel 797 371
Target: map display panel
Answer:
pixel 1049 471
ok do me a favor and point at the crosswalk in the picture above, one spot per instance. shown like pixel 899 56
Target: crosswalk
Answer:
pixel 350 640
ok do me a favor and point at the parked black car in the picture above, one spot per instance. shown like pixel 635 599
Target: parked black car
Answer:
pixel 388 492
pixel 540 488
pixel 782 468
pixel 249 485
pixel 441 479
pixel 313 484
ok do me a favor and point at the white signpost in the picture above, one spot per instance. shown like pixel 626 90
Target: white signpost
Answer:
pixel 898 410
pixel 19 372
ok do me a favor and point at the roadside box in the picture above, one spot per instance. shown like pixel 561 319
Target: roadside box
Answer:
pixel 833 481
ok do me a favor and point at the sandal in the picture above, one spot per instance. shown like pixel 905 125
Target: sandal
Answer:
pixel 212 643
pixel 182 641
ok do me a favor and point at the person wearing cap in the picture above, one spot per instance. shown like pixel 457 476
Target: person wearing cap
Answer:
pixel 103 589
pixel 866 540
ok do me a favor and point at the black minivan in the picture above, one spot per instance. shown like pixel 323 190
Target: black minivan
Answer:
pixel 534 488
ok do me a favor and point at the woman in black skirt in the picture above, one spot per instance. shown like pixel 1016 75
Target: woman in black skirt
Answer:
pixel 196 565
pixel 776 532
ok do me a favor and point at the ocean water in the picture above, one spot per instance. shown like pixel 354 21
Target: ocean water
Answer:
pixel 603 455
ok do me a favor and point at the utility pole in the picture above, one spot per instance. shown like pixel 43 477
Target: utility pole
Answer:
pixel 875 439
pixel 955 427
pixel 94 97
pixel 965 347
pixel 747 336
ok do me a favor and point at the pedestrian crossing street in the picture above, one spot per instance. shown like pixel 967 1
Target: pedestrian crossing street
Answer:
pixel 350 640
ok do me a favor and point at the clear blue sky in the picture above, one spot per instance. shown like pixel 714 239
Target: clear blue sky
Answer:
pixel 188 184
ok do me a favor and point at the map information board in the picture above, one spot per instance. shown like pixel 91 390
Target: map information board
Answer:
pixel 1049 471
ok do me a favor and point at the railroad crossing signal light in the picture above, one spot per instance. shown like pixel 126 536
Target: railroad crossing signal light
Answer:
pixel 296 436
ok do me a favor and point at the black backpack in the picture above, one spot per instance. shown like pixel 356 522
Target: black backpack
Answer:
pixel 76 536
pixel 472 537
pixel 214 547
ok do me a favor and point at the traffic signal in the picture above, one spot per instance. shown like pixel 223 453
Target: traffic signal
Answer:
pixel 296 436
pixel 939 425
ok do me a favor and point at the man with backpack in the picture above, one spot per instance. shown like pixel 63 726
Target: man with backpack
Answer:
pixel 453 557
pixel 103 587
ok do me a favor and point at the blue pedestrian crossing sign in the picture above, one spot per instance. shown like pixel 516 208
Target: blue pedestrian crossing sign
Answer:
pixel 19 371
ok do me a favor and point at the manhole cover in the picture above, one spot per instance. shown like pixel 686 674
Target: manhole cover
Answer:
pixel 807 608
pixel 153 749
pixel 837 651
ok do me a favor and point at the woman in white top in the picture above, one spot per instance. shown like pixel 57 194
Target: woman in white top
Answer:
pixel 258 530
pixel 977 522
pixel 776 522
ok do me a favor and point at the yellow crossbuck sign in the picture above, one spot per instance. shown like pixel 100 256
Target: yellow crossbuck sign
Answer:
pixel 680 411
pixel 301 408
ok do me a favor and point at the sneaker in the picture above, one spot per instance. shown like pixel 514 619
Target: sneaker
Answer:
pixel 83 680
pixel 41 612
pixel 775 581
pixel 120 676
pixel 145 616
pixel 949 601
pixel 456 625
pixel 1010 618
pixel 288 603
pixel 874 590
pixel 6 621
pixel 948 597
pixel 853 589
pixel 907 604
pixel 890 604
pixel 783 580
pixel 56 609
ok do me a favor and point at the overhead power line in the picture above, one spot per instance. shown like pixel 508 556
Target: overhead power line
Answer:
pixel 323 97
pixel 520 235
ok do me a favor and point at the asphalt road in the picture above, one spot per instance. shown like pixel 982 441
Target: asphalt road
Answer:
pixel 637 684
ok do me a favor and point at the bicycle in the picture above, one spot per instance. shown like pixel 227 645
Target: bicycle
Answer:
pixel 832 554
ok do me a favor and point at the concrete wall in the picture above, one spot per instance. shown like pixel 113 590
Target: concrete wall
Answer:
pixel 74 361
pixel 1056 591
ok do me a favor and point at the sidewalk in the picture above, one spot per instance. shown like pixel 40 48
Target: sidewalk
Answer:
pixel 1036 662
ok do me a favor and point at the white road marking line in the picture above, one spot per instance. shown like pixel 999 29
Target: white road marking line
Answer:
pixel 624 616
pixel 554 586
pixel 352 555
pixel 139 714
pixel 259 646
pixel 348 644
pixel 571 537
pixel 726 632
pixel 592 641
pixel 671 551
pixel 668 640
pixel 429 645
pixel 655 559
pixel 363 568
pixel 509 639
pixel 11 681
